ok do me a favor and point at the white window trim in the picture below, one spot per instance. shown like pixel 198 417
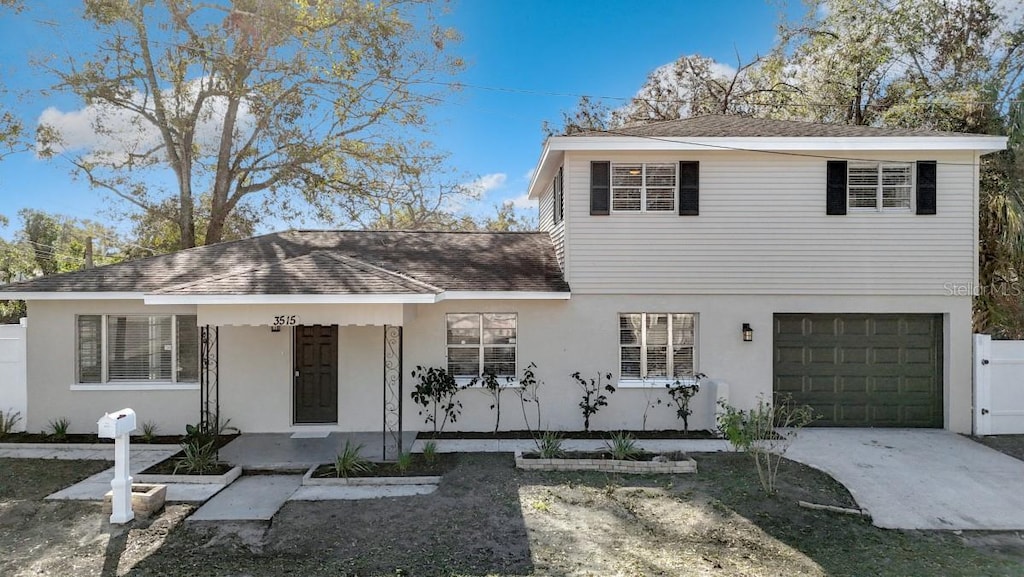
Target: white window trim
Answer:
pixel 879 208
pixel 643 189
pixel 655 382
pixel 130 385
pixel 464 381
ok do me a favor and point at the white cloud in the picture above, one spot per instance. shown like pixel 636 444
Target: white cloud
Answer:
pixel 523 201
pixel 487 183
pixel 108 134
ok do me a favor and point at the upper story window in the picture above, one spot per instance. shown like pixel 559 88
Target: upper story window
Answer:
pixel 558 197
pixel 137 348
pixel 643 187
pixel 481 343
pixel 656 346
pixel 880 186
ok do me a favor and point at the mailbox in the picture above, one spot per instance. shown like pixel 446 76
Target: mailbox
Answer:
pixel 117 424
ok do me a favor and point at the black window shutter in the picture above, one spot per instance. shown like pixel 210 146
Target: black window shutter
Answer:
pixel 835 187
pixel 689 188
pixel 926 187
pixel 600 187
pixel 560 197
pixel 554 199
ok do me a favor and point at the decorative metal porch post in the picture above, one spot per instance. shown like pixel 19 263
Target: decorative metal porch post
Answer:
pixel 209 378
pixel 392 392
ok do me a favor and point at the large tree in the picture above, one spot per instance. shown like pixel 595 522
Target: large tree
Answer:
pixel 261 103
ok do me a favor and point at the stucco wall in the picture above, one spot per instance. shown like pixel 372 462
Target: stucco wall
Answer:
pixel 559 336
pixel 51 373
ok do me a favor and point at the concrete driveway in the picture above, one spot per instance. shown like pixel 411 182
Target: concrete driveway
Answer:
pixel 919 479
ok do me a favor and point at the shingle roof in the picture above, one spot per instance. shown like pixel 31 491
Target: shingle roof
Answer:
pixel 724 125
pixel 331 262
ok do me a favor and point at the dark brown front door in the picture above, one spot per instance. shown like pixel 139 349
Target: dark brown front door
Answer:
pixel 316 374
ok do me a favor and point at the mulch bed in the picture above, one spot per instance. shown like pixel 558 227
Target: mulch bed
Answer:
pixel 83 438
pixel 166 467
pixel 645 456
pixel 419 467
pixel 601 435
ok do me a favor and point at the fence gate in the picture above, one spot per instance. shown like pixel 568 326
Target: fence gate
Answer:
pixel 13 376
pixel 998 386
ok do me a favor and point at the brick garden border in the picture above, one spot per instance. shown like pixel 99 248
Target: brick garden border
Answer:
pixel 687 465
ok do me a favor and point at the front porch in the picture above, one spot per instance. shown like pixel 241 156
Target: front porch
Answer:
pixel 288 451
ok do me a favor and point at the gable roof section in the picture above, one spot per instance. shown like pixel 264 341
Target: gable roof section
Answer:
pixel 731 133
pixel 327 263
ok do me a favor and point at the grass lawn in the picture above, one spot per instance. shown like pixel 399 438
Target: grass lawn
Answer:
pixel 488 518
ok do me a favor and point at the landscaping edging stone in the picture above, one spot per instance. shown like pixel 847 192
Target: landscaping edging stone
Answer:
pixel 225 479
pixel 147 498
pixel 85 446
pixel 607 465
pixel 309 480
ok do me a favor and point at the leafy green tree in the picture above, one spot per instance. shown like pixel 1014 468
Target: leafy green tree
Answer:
pixel 259 103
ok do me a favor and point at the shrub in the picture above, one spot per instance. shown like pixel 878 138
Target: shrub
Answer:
pixel 430 452
pixel 149 430
pixel 593 395
pixel 404 462
pixel 765 432
pixel 350 462
pixel 435 392
pixel 489 382
pixel 198 457
pixel 59 429
pixel 623 447
pixel 681 393
pixel 549 445
pixel 8 421
pixel 527 393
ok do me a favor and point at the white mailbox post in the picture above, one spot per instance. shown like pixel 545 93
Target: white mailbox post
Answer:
pixel 118 426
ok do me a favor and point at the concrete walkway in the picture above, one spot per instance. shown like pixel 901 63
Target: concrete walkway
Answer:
pixel 255 498
pixel 918 478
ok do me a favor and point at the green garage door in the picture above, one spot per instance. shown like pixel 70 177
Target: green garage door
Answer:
pixel 860 370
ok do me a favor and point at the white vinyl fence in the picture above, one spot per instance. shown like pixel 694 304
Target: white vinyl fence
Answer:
pixel 13 376
pixel 998 386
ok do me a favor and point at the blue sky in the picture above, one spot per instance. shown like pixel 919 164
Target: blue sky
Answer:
pixel 527 61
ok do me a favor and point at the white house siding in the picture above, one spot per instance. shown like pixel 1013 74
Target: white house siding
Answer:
pixel 546 222
pixel 561 337
pixel 13 373
pixel 51 373
pixel 762 229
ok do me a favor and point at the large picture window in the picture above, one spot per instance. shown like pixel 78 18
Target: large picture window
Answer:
pixel 880 186
pixel 644 187
pixel 480 343
pixel 657 346
pixel 137 348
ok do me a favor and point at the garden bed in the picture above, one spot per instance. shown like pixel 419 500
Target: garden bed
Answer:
pixel 641 463
pixel 600 435
pixel 163 472
pixel 419 472
pixel 83 438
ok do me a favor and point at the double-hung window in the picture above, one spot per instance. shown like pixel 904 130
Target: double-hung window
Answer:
pixel 480 343
pixel 656 346
pixel 880 186
pixel 644 187
pixel 137 348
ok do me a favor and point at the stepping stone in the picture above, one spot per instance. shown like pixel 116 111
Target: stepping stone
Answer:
pixel 255 498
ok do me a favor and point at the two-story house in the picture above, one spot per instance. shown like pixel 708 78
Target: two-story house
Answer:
pixel 833 263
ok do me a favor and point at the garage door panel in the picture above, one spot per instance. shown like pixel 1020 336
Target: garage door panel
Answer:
pixel 862 370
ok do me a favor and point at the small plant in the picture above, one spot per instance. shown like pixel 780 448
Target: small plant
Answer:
pixel 350 462
pixel 527 393
pixel 489 382
pixel 59 429
pixel 198 458
pixel 623 447
pixel 549 445
pixel 435 392
pixel 149 430
pixel 430 452
pixel 681 393
pixel 593 395
pixel 404 462
pixel 765 432
pixel 8 421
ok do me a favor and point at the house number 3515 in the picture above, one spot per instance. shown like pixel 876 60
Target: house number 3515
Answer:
pixel 286 320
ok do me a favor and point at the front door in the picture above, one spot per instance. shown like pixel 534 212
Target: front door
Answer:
pixel 316 374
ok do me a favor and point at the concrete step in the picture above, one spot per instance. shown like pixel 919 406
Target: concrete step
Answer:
pixel 250 498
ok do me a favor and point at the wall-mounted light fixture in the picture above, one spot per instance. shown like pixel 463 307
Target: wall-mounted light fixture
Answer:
pixel 748 333
pixel 275 329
